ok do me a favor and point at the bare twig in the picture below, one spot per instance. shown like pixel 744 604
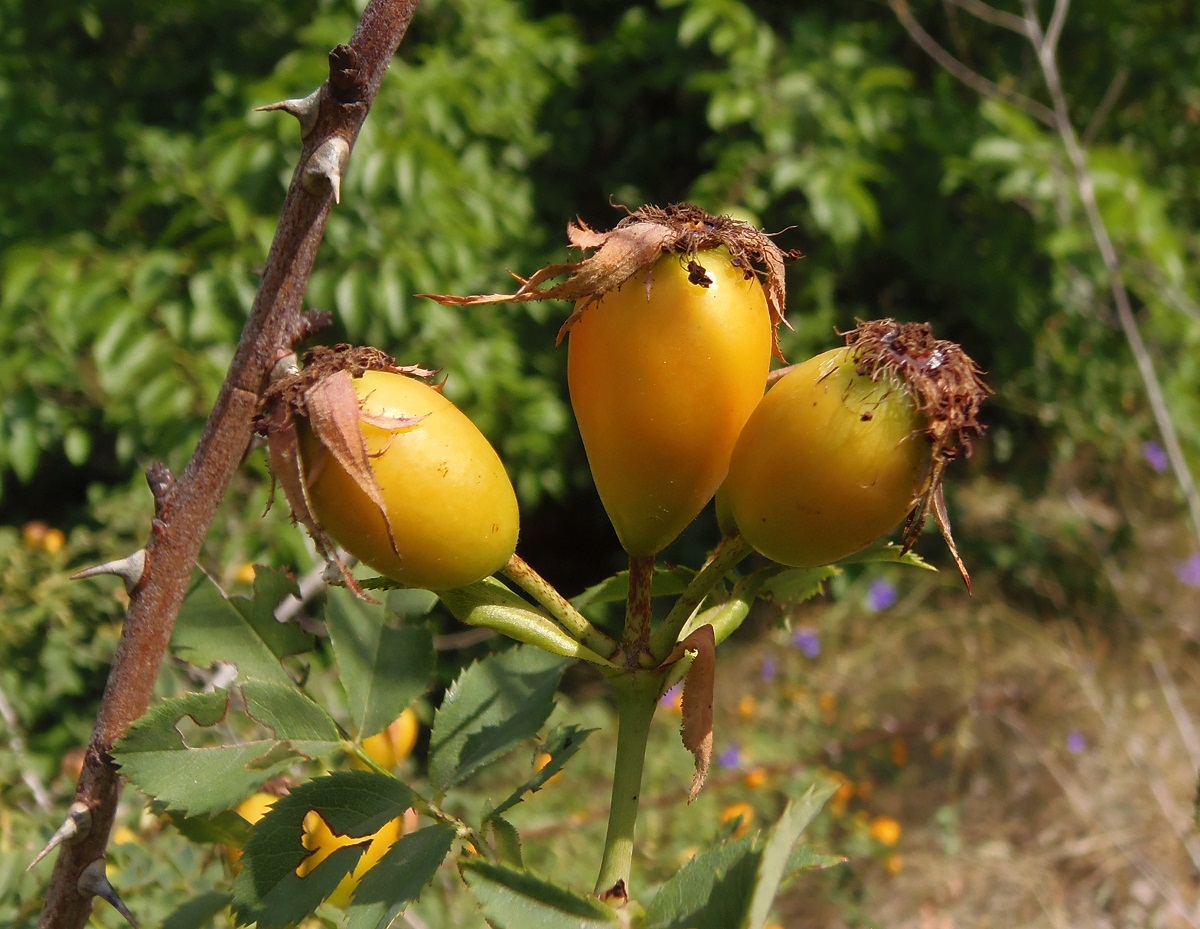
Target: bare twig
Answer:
pixel 184 508
pixel 990 14
pixel 1104 107
pixel 16 745
pixel 1058 118
pixel 971 78
pixel 1046 47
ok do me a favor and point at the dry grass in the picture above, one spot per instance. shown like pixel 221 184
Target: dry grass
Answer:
pixel 1052 760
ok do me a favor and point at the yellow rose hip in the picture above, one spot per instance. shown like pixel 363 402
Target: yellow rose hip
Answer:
pixel 663 373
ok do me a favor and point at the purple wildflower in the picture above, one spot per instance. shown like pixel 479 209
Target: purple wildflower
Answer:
pixel 808 641
pixel 1189 571
pixel 881 595
pixel 1156 456
pixel 731 757
pixel 1076 743
pixel 770 667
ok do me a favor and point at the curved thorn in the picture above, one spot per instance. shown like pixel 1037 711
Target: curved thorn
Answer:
pixel 129 569
pixel 93 881
pixel 324 169
pixel 74 828
pixel 305 109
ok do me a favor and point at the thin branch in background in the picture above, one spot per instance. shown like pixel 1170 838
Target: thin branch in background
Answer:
pixel 1086 190
pixel 1058 118
pixel 989 14
pixel 972 79
pixel 1058 19
pixel 1105 106
pixel 16 745
pixel 1179 713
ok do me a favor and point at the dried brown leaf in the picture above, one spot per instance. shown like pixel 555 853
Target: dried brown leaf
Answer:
pixel 287 468
pixel 698 688
pixel 333 415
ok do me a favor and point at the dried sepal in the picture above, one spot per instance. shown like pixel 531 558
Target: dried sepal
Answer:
pixel 322 393
pixel 634 245
pixel 947 387
pixel 698 686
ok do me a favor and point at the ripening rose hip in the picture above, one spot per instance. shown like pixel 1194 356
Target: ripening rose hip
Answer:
pixel 828 462
pixel 450 514
pixel 663 373
pixel 321 842
pixel 374 459
pixel 849 443
pixel 675 322
pixel 395 743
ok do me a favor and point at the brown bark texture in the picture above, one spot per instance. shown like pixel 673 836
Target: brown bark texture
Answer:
pixel 185 506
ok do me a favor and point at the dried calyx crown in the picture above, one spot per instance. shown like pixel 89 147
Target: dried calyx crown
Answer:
pixel 322 393
pixel 635 244
pixel 947 389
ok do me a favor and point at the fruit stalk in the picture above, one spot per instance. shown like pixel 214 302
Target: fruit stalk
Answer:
pixel 724 558
pixel 636 637
pixel 637 698
pixel 521 573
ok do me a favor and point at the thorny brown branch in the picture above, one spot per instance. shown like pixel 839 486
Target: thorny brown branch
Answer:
pixel 184 508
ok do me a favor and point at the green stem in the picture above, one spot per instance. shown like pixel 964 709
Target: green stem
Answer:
pixel 728 615
pixel 637 699
pixel 636 637
pixel 725 557
pixel 543 592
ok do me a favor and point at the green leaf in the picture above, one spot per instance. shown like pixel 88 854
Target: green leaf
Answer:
pixel 776 859
pixel 667 581
pixel 506 841
pixel 211 778
pixel 410 603
pixel 241 631
pixel 494 704
pixel 711 891
pixel 888 553
pixel 198 912
pixel 225 828
pixel 795 585
pixel 355 803
pixel 511 898
pixel 383 668
pixel 400 876
pixel 77 445
pixel 24 450
pixel 735 883
pixel 807 858
pixel 562 743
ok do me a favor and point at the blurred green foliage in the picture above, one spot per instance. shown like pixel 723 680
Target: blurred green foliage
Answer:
pixel 144 196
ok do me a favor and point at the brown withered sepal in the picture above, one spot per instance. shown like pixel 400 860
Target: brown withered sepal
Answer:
pixel 634 245
pixel 947 387
pixel 322 394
